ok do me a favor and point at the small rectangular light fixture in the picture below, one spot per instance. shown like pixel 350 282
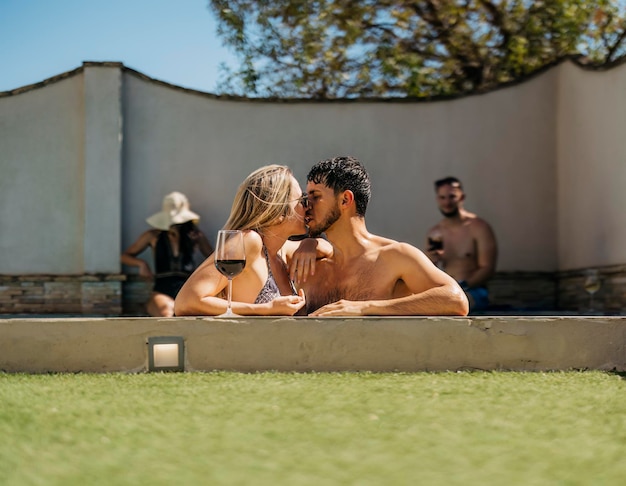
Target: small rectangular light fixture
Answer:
pixel 166 353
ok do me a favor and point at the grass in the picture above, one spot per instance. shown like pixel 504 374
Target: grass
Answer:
pixel 470 428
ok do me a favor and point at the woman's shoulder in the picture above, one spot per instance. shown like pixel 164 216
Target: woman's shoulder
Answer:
pixel 151 235
pixel 252 241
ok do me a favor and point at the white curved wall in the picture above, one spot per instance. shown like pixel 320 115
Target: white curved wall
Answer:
pixel 592 167
pixel 41 183
pixel 60 150
pixel 501 145
pixel 86 158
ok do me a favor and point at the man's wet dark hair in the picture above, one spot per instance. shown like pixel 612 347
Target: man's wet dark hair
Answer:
pixel 344 173
pixel 448 181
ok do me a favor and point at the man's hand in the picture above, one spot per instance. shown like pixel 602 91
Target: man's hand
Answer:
pixel 434 248
pixel 341 308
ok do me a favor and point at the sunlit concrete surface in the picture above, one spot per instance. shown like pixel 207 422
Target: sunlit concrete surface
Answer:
pixel 39 345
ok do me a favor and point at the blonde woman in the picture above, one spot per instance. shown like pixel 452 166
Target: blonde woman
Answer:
pixel 269 207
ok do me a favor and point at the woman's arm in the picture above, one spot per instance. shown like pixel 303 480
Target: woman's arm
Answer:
pixel 302 255
pixel 129 256
pixel 202 294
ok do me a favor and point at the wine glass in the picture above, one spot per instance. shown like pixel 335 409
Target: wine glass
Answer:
pixel 592 285
pixel 435 244
pixel 230 260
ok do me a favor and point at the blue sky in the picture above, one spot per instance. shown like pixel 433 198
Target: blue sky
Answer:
pixel 170 40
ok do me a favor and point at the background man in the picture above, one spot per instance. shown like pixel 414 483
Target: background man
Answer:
pixel 367 274
pixel 462 244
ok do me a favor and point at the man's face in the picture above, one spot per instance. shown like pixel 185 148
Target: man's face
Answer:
pixel 323 210
pixel 449 199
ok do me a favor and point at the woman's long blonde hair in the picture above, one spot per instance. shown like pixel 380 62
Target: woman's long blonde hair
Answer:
pixel 262 199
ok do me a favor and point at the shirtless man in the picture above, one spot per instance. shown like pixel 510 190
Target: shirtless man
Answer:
pixel 462 244
pixel 367 274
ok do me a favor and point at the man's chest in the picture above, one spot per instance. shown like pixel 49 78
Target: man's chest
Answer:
pixel 459 244
pixel 366 281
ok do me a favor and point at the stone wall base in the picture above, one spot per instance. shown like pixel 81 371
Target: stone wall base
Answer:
pixel 610 299
pixel 561 291
pixel 62 294
pixel 523 291
pixel 135 294
pixel 116 295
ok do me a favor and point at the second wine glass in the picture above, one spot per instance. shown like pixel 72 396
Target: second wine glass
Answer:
pixel 592 285
pixel 230 260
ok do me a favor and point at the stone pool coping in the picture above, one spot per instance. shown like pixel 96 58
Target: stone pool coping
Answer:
pixel 304 344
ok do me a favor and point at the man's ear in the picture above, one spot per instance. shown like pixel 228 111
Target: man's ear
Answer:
pixel 347 198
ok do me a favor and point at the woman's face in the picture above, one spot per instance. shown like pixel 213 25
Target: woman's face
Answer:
pixel 296 220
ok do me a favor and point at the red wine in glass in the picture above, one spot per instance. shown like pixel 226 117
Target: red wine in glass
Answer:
pixel 230 268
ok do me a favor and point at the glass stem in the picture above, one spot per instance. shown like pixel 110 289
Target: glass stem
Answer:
pixel 230 293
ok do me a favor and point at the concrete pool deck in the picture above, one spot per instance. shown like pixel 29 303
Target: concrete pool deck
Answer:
pixel 378 344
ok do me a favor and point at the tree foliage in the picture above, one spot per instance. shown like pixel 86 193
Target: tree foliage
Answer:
pixel 421 48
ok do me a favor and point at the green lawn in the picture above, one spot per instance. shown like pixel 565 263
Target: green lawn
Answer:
pixel 470 428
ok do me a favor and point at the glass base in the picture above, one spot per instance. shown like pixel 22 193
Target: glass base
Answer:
pixel 229 313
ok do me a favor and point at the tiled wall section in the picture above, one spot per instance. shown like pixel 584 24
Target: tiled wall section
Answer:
pixel 135 293
pixel 61 294
pixel 528 291
pixel 126 295
pixel 610 299
pixel 523 291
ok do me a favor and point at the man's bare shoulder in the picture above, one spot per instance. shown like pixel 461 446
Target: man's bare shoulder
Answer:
pixel 381 241
pixel 397 249
pixel 478 224
pixel 389 247
pixel 437 228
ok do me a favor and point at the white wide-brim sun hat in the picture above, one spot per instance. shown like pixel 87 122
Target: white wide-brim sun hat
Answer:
pixel 175 211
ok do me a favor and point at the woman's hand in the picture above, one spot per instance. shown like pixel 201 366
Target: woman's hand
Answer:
pixel 287 305
pixel 144 271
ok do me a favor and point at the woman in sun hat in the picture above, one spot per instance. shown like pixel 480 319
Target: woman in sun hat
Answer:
pixel 173 239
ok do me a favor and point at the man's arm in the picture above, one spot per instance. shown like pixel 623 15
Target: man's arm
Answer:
pixel 486 254
pixel 432 291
